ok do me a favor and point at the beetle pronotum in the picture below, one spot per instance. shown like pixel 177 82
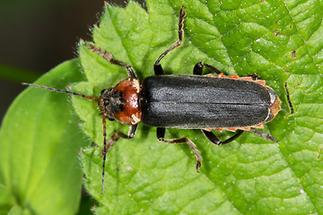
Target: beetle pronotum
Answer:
pixel 205 102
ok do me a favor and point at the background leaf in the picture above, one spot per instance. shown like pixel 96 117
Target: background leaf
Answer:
pixel 39 141
pixel 281 42
pixel 16 74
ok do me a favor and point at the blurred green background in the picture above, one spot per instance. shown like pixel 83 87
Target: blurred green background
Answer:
pixel 36 35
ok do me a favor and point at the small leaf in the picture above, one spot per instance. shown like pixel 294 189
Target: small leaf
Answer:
pixel 39 141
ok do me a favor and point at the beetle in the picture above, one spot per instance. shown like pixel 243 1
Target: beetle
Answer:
pixel 206 102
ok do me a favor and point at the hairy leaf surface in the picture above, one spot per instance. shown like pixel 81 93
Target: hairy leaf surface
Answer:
pixel 278 40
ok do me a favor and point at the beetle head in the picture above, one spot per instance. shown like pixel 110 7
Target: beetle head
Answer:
pixel 122 102
pixel 112 102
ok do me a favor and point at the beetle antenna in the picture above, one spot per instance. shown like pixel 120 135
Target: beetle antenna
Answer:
pixel 60 91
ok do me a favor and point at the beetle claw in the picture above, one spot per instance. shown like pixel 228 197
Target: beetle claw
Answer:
pixel 198 166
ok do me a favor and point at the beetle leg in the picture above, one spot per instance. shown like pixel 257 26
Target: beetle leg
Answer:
pixel 212 68
pixel 264 135
pixel 132 130
pixel 114 138
pixel 108 56
pixel 214 139
pixel 254 76
pixel 157 67
pixel 291 108
pixel 182 140
pixel 198 69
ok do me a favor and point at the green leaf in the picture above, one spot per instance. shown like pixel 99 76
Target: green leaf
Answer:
pixel 39 140
pixel 280 41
